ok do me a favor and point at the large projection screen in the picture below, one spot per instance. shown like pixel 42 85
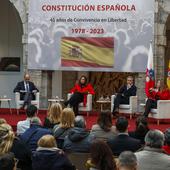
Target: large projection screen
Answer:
pixel 91 35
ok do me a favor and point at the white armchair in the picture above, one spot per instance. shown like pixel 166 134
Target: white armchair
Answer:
pixel 130 108
pixel 83 108
pixel 162 111
pixel 19 102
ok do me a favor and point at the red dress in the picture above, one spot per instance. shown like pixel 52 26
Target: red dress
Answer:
pixel 85 90
pixel 162 95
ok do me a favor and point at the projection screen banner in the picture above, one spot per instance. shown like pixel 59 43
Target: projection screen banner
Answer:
pixel 91 35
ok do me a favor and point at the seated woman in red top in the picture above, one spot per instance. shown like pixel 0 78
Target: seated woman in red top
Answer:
pixel 156 94
pixel 80 91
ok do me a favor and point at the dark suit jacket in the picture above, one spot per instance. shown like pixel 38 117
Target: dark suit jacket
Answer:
pixel 123 142
pixel 127 93
pixel 21 87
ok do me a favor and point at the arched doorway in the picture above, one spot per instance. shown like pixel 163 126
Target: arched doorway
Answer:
pixel 11 49
pixel 167 49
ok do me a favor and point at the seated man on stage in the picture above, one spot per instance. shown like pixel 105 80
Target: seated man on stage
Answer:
pixel 80 91
pixel 26 89
pixel 124 94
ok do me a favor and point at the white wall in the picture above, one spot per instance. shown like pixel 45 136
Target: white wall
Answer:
pixel 10 46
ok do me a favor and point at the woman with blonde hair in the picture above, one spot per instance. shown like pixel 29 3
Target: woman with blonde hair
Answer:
pixel 66 124
pixel 9 143
pixel 48 156
pixel 53 116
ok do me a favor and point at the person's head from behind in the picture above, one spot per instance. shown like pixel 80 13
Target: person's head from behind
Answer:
pixel 101 156
pixel 67 118
pixel 167 137
pixel 55 112
pixel 2 121
pixel 105 120
pixel 80 122
pixel 122 125
pixel 47 141
pixel 7 161
pixel 129 80
pixel 35 121
pixel 154 139
pixel 31 111
pixel 83 80
pixel 26 77
pixel 127 161
pixel 6 138
pixel 142 125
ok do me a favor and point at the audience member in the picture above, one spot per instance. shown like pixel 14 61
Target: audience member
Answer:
pixel 22 126
pixel 103 129
pixel 127 161
pixel 124 94
pixel 152 156
pixel 166 146
pixel 9 143
pixel 66 124
pixel 80 91
pixel 26 89
pixel 2 121
pixel 48 156
pixel 101 157
pixel 7 161
pixel 34 133
pixel 78 138
pixel 141 129
pixel 123 142
pixel 53 117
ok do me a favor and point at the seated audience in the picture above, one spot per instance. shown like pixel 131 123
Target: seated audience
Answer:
pixel 101 157
pixel 124 94
pixel 7 161
pixel 152 156
pixel 66 124
pixel 127 161
pixel 48 157
pixel 78 138
pixel 9 143
pixel 80 91
pixel 123 142
pixel 166 146
pixel 26 89
pixel 141 129
pixel 154 95
pixel 53 117
pixel 22 126
pixel 103 129
pixel 34 133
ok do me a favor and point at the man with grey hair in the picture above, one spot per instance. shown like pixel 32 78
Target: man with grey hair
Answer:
pixel 78 138
pixel 127 161
pixel 152 156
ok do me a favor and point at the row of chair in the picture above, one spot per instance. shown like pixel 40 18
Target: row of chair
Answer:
pixel 161 112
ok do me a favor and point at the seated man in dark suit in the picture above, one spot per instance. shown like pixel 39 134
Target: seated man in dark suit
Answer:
pixel 124 93
pixel 123 142
pixel 26 89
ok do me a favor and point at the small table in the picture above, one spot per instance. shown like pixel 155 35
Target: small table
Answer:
pixel 101 102
pixel 6 100
pixel 57 100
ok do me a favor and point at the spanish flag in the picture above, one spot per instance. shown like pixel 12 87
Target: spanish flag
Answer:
pixel 87 52
pixel 168 76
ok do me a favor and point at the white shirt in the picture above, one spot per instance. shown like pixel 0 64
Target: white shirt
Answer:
pixel 22 126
